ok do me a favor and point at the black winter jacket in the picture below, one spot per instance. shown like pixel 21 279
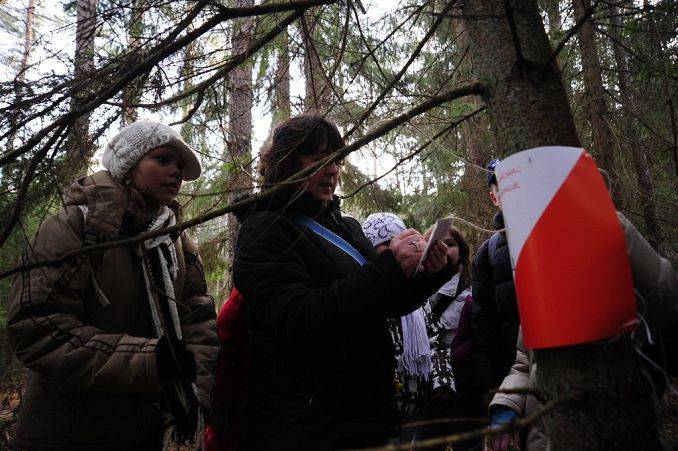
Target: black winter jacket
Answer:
pixel 494 315
pixel 321 374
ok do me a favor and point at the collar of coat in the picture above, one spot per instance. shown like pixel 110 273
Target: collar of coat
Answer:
pixel 113 209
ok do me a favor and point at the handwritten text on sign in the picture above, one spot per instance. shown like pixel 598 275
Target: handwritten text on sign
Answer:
pixel 506 182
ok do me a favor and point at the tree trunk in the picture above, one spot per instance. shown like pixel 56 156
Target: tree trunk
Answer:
pixel 80 147
pixel 511 65
pixel 282 108
pixel 657 51
pixel 555 35
pixel 317 89
pixel 555 21
pixel 240 126
pixel 603 143
pixel 476 136
pixel 633 144
pixel 528 107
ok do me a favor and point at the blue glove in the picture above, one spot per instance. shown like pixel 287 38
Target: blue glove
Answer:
pixel 502 415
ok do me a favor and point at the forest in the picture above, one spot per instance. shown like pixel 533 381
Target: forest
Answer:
pixel 424 92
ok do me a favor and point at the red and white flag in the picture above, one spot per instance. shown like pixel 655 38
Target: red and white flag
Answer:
pixel 568 252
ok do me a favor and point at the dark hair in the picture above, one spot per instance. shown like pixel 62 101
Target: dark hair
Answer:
pixel 306 134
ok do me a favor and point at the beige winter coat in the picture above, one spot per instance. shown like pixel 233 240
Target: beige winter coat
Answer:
pixel 93 378
pixel 657 283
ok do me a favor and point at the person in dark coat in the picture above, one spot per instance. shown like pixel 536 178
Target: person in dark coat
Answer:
pixel 317 300
pixel 494 315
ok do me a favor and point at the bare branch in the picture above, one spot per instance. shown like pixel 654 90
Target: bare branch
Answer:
pixel 402 71
pixel 571 32
pixel 382 129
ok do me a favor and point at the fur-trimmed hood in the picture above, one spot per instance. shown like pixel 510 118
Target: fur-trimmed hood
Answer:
pixel 112 208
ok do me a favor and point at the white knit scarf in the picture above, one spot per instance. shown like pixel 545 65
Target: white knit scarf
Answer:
pixel 416 347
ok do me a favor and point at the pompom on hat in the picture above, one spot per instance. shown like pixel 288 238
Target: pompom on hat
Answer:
pixel 137 139
pixel 382 227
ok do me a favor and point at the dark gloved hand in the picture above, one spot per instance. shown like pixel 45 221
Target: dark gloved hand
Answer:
pixel 181 403
pixel 174 361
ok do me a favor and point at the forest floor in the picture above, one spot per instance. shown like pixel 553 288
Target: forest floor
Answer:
pixel 13 385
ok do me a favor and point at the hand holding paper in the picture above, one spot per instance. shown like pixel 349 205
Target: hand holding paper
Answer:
pixel 403 248
pixel 439 233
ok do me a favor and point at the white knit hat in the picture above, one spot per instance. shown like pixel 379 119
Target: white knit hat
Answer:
pixel 382 227
pixel 137 139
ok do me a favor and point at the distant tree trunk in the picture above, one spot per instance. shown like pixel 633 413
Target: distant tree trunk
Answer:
pixel 633 144
pixel 603 142
pixel 528 108
pixel 282 108
pixel 657 50
pixel 130 93
pixel 79 145
pixel 187 74
pixel 478 141
pixel 555 21
pixel 240 125
pixel 7 172
pixel 555 35
pixel 317 89
pixel 20 78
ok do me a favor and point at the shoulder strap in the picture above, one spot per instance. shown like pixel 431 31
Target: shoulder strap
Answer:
pixel 330 236
pixel 492 247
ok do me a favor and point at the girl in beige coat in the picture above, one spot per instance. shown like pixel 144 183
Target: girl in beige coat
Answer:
pixel 115 338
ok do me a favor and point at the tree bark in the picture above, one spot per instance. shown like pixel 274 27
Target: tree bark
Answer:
pixel 603 142
pixel 657 51
pixel 239 143
pixel 282 108
pixel 633 144
pixel 528 107
pixel 511 66
pixel 478 141
pixel 555 35
pixel 80 147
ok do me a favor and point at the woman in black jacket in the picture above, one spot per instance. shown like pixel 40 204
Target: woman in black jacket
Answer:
pixel 317 299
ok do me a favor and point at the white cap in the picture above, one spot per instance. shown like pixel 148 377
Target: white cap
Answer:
pixel 382 227
pixel 137 139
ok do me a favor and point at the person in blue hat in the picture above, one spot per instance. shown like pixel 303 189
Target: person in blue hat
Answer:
pixel 495 320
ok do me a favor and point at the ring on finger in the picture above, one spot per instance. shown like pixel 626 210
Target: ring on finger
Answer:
pixel 416 245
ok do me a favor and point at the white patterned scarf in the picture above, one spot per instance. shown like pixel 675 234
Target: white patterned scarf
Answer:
pixel 168 267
